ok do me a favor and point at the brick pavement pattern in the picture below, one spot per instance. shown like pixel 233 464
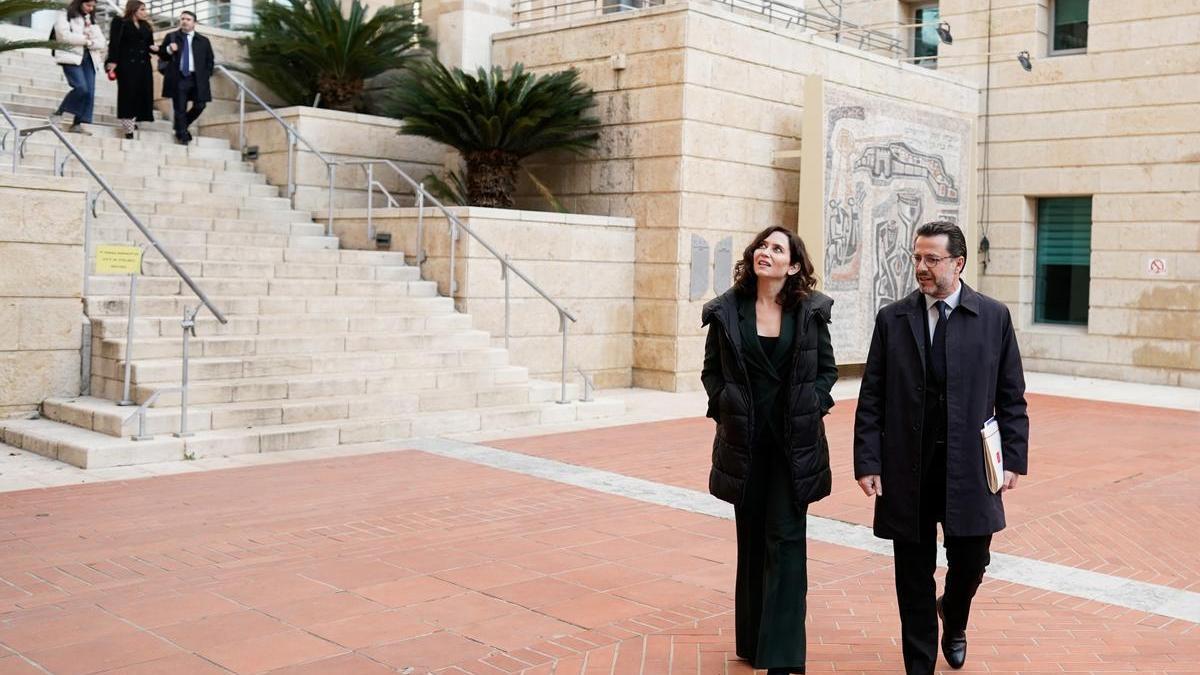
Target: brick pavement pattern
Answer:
pixel 1111 486
pixel 407 562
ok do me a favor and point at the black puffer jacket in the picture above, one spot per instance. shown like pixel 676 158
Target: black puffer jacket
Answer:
pixel 729 399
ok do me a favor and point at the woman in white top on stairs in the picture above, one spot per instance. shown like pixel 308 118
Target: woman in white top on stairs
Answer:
pixel 80 58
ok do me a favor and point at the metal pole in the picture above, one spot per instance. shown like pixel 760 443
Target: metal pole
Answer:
pixel 125 400
pixel 291 167
pixel 562 325
pixel 370 202
pixel 16 152
pixel 332 173
pixel 189 328
pixel 420 225
pixel 507 299
pixel 242 121
pixel 88 207
pixel 841 11
pixel 453 238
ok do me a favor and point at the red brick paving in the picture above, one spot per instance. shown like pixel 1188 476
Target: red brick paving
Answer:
pixel 1111 486
pixel 404 560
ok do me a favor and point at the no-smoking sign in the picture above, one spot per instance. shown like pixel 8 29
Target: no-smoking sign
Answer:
pixel 1156 267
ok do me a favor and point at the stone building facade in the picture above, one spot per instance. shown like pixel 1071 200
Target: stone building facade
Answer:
pixel 1098 143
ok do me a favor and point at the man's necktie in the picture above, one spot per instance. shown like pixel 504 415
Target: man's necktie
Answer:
pixel 185 56
pixel 939 341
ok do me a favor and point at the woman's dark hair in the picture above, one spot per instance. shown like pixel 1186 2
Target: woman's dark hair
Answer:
pixel 76 9
pixel 131 10
pixel 797 287
pixel 956 243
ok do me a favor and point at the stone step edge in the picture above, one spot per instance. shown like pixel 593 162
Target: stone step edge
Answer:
pixel 74 411
pixel 92 450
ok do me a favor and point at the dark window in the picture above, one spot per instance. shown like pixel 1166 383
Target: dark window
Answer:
pixel 925 36
pixel 1064 251
pixel 1069 25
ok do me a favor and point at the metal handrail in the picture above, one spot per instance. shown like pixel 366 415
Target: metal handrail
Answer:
pixel 506 265
pixel 293 135
pixel 25 132
pixel 531 12
pixel 16 131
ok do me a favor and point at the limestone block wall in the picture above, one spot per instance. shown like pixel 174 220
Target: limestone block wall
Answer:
pixel 1121 123
pixel 339 135
pixel 41 278
pixel 691 126
pixel 585 263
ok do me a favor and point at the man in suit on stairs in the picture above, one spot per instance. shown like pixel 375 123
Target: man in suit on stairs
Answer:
pixel 188 63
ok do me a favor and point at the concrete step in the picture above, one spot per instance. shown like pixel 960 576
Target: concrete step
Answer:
pixel 106 417
pixel 475 374
pixel 283 295
pixel 151 286
pixel 86 448
pixel 447 382
pixel 322 315
pixel 327 347
pixel 157 222
pixel 275 215
pixel 388 352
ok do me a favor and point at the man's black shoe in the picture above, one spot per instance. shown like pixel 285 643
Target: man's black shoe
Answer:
pixel 954 645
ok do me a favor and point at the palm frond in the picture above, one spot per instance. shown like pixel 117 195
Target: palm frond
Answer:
pixel 11 9
pixel 304 47
pixel 518 114
pixel 451 190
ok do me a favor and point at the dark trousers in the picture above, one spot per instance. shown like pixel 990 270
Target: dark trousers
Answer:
pixel 82 98
pixel 770 597
pixel 186 91
pixel 916 591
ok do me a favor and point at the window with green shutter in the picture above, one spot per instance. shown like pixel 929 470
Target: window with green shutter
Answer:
pixel 1064 252
pixel 1068 26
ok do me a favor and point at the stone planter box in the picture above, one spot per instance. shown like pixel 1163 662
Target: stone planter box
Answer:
pixel 41 278
pixel 586 263
pixel 338 135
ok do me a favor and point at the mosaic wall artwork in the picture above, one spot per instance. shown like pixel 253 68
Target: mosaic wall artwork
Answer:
pixel 889 167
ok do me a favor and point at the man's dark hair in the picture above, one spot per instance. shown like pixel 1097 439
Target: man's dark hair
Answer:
pixel 189 13
pixel 956 243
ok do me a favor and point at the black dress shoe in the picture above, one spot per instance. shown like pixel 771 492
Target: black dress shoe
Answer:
pixel 954 645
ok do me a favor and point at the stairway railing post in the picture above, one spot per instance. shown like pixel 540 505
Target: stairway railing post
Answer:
pixel 125 396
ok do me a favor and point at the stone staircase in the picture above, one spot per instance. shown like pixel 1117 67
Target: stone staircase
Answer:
pixel 323 347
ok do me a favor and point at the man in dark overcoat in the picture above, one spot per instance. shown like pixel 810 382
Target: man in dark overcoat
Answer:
pixel 187 64
pixel 942 362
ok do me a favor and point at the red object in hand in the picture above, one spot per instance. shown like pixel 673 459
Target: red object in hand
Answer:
pixel 112 74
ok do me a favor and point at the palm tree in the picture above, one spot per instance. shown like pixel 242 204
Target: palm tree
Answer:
pixel 11 9
pixel 308 47
pixel 495 121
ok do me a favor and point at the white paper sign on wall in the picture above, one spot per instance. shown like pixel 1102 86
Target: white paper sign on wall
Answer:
pixel 1156 267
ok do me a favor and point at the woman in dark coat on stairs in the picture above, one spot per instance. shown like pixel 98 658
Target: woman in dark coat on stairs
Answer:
pixel 130 44
pixel 768 371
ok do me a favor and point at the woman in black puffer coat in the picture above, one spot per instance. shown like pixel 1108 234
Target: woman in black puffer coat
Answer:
pixel 768 371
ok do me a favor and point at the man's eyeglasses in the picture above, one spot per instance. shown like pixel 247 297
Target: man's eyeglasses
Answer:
pixel 930 260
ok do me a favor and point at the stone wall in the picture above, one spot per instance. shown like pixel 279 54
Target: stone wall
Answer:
pixel 585 263
pixel 1121 123
pixel 41 278
pixel 339 135
pixel 692 123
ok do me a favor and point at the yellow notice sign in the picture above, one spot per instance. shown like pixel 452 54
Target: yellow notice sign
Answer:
pixel 118 259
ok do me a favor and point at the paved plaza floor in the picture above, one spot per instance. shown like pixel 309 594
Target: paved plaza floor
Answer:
pixel 590 551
